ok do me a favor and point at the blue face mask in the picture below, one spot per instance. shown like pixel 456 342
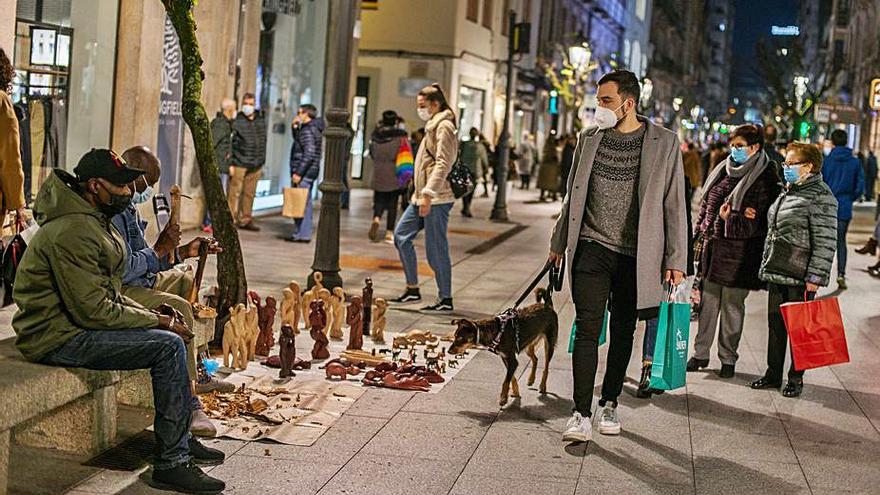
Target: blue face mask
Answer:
pixel 142 197
pixel 791 174
pixel 739 155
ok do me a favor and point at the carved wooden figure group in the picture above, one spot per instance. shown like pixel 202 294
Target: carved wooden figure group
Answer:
pixel 317 322
pixel 234 340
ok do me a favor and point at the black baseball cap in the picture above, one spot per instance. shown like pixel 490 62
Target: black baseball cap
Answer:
pixel 105 164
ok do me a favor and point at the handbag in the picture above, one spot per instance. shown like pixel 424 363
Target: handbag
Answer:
pixel 460 178
pixel 669 367
pixel 787 259
pixel 404 163
pixel 295 199
pixel 815 329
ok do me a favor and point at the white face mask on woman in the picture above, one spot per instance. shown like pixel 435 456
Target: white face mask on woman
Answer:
pixel 424 113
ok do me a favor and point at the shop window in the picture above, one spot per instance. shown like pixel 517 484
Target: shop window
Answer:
pixel 488 13
pixel 471 102
pixel 505 18
pixel 473 10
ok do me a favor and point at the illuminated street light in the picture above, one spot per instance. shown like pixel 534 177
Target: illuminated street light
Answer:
pixel 800 90
pixel 676 103
pixel 579 56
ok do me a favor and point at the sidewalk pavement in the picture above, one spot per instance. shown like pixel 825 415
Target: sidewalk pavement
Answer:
pixel 714 436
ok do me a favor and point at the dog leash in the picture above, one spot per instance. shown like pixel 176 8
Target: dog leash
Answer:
pixel 556 278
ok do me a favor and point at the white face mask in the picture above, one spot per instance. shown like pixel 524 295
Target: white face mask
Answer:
pixel 606 118
pixel 144 196
pixel 424 114
pixel 248 110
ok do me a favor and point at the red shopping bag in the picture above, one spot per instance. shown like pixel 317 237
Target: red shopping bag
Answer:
pixel 815 330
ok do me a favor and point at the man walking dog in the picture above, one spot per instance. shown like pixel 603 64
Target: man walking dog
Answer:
pixel 624 231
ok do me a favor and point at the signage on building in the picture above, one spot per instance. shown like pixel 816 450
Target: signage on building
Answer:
pixel 170 143
pixel 837 114
pixel 785 31
pixel 875 94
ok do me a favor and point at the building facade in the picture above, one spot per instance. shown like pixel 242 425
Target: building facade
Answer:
pixel 717 57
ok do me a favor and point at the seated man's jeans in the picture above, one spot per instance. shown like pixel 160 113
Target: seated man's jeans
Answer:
pixel 160 351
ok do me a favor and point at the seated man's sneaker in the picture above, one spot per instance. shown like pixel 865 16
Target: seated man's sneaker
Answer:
pixel 203 455
pixel 186 478
pixel 609 422
pixel 578 429
pixel 201 425
pixel 214 384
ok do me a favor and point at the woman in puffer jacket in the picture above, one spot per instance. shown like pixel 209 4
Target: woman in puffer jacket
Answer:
pixel 798 253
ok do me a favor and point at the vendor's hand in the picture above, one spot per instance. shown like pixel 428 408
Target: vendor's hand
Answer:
pixel 177 326
pixel 812 287
pixel 556 259
pixel 750 213
pixel 673 277
pixel 295 179
pixel 725 211
pixel 191 250
pixel 20 219
pixel 168 240
pixel 425 207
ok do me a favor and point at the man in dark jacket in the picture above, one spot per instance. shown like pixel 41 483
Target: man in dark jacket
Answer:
pixel 870 175
pixel 72 311
pixel 248 158
pixel 844 175
pixel 221 132
pixel 305 164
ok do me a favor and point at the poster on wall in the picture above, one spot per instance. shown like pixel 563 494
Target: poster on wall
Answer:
pixel 169 147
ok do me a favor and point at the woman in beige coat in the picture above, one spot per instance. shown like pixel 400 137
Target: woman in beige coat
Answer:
pixel 11 173
pixel 431 202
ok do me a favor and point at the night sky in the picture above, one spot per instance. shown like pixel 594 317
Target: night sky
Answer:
pixel 753 20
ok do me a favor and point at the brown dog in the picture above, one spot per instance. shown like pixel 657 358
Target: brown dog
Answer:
pixel 536 323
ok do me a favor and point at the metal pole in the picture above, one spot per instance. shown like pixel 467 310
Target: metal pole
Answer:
pixel 343 15
pixel 499 210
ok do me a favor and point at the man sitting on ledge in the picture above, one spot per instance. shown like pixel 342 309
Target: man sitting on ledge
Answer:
pixel 72 312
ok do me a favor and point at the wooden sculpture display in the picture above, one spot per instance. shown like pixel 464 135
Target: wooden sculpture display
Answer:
pixel 367 302
pixel 288 351
pixel 326 297
pixel 266 338
pixel 291 308
pixel 233 338
pixel 337 308
pixel 252 330
pixel 354 318
pixel 312 294
pixel 340 371
pixel 317 322
pixel 379 309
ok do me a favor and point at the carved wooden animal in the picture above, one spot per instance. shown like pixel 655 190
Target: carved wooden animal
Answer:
pixel 252 330
pixel 337 308
pixel 354 318
pixel 340 371
pixel 379 309
pixel 266 338
pixel 234 338
pixel 317 322
pixel 288 351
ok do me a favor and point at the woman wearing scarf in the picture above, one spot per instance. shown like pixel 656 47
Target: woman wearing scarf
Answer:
pixel 732 225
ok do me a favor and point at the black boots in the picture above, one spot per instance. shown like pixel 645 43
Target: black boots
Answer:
pixel 727 371
pixel 645 391
pixel 874 270
pixel 186 478
pixel 205 456
pixel 793 388
pixel 766 382
pixel 695 364
pixel 870 247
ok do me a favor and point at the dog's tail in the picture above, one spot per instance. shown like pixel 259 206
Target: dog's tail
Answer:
pixel 544 296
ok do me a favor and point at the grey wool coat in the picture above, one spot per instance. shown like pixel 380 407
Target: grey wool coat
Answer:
pixel 663 226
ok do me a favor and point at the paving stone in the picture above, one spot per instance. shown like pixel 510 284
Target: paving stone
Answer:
pixel 619 487
pixel 852 466
pixel 721 475
pixel 632 457
pixel 428 436
pixel 370 474
pixel 470 484
pixel 380 403
pixel 736 446
pixel 248 475
pixel 470 399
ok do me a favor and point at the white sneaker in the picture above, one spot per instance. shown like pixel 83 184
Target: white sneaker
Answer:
pixel 609 422
pixel 578 429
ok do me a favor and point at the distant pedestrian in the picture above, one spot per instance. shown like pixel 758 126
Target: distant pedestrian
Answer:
pixel 221 132
pixel 844 175
pixel 474 157
pixel 305 164
pixel 246 165
pixel 870 176
pixel 798 253
pixel 431 202
pixel 489 173
pixel 525 160
pixel 692 169
pixel 565 161
pixel 386 143
pixel 11 171
pixel 548 172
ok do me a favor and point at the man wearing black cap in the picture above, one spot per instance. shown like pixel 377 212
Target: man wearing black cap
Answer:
pixel 72 312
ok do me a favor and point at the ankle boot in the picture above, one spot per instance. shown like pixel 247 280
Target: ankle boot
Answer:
pixel 869 248
pixel 695 364
pixel 644 390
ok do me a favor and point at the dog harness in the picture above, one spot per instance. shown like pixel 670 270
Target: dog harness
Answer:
pixel 508 321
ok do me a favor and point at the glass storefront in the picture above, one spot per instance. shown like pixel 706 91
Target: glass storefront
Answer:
pixel 64 58
pixel 471 102
pixel 290 73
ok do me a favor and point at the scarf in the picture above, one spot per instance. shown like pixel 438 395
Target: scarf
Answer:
pixel 748 173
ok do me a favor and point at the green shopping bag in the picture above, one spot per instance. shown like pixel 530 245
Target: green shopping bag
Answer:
pixel 602 335
pixel 670 352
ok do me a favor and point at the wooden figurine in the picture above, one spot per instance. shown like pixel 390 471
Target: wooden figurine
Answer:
pixel 317 322
pixel 354 318
pixel 367 301
pixel 266 338
pixel 252 330
pixel 312 294
pixel 291 308
pixel 326 297
pixel 378 333
pixel 234 338
pixel 337 308
pixel 287 342
pixel 340 371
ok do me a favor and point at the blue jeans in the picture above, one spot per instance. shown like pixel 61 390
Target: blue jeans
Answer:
pixel 650 340
pixel 164 353
pixel 842 228
pixel 303 230
pixel 436 245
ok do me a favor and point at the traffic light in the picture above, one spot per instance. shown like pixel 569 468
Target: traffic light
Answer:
pixel 804 130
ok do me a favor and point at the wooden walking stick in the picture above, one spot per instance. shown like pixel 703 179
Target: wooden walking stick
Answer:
pixel 174 217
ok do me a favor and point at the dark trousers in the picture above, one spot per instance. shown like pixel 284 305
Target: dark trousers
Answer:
pixel 778 339
pixel 525 181
pixel 386 201
pixel 842 229
pixel 601 276
pixel 164 353
pixel 466 201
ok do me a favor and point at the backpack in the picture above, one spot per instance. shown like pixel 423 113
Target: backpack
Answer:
pixel 12 255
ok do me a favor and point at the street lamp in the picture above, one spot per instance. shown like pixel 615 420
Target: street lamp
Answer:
pixel 579 56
